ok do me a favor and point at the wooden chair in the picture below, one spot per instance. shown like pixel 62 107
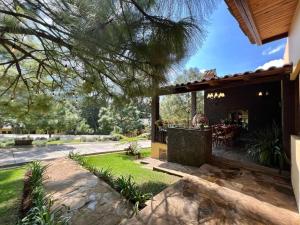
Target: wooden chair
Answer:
pixel 224 136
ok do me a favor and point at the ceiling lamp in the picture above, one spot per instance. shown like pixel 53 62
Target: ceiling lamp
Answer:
pixel 215 95
pixel 263 93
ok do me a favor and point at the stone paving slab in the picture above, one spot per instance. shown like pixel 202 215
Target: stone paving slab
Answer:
pixel 274 190
pixel 13 156
pixel 90 200
pixel 194 201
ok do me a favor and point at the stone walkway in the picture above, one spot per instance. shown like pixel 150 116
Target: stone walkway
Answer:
pixel 205 195
pixel 15 156
pixel 89 200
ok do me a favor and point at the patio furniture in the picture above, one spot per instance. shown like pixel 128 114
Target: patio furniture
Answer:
pixel 223 134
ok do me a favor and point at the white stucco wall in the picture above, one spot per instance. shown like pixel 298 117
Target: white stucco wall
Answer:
pixel 292 54
pixel 294 38
pixel 295 170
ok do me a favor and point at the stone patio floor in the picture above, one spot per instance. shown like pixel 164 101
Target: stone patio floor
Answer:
pixel 232 153
pixel 211 195
pixel 205 195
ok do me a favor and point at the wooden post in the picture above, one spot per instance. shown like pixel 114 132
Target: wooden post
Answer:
pixel 296 115
pixel 154 116
pixel 286 110
pixel 193 103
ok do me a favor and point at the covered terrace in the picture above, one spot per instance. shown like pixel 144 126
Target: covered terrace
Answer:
pixel 248 100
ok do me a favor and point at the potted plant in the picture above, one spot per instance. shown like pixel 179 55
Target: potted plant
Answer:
pixel 199 121
pixel 133 150
pixel 159 123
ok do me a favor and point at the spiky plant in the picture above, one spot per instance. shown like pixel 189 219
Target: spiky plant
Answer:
pixel 266 148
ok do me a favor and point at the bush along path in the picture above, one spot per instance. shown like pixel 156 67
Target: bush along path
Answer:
pixel 36 206
pixel 124 185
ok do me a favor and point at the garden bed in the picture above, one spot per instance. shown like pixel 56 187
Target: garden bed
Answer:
pixel 134 183
pixel 121 164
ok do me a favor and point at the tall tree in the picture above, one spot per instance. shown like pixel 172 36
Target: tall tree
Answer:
pixel 177 107
pixel 115 47
pixel 89 109
pixel 126 119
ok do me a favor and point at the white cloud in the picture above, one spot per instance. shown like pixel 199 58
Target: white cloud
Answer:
pixel 202 70
pixel 270 51
pixel 275 62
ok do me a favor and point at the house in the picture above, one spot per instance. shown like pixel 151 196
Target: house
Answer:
pixel 266 21
pixel 6 129
pixel 272 92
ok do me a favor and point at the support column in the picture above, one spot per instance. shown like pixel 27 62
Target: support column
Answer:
pixel 154 116
pixel 287 114
pixel 193 103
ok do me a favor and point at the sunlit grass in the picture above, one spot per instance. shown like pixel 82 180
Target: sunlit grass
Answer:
pixel 121 164
pixel 11 187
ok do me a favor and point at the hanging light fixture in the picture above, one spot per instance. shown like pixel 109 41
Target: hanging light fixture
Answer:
pixel 215 95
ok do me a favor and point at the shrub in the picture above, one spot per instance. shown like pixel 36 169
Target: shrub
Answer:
pixel 104 138
pixel 6 143
pixel 117 137
pixel 78 158
pixel 265 147
pixel 40 212
pixel 40 139
pixel 128 188
pixel 54 139
pixel 133 149
pixel 106 175
pixel 40 142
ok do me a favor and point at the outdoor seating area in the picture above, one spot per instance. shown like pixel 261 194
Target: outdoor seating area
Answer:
pixel 223 135
pixel 237 109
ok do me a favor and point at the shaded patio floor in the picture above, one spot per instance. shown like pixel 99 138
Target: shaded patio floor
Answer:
pixel 232 153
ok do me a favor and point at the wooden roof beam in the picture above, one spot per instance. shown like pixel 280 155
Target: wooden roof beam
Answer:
pixel 244 10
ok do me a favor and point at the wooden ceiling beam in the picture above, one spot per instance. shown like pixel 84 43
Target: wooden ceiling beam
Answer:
pixel 245 12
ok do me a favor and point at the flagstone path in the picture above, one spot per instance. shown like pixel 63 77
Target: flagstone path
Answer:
pixel 90 200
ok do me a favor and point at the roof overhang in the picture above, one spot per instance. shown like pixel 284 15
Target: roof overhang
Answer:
pixel 229 81
pixel 263 21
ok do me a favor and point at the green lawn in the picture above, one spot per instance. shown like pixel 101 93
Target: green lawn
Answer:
pixel 11 187
pixel 123 165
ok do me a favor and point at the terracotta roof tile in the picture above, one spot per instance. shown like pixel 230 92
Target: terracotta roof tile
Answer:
pixel 212 75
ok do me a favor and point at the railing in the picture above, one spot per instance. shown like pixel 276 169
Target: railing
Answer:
pixel 161 135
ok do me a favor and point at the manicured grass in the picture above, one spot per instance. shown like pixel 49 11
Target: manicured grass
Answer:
pixel 11 187
pixel 121 164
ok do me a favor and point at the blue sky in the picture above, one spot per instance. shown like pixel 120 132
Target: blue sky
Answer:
pixel 227 48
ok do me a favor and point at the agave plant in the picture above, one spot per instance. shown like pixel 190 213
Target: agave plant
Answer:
pixel 266 148
pixel 40 211
pixel 129 189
